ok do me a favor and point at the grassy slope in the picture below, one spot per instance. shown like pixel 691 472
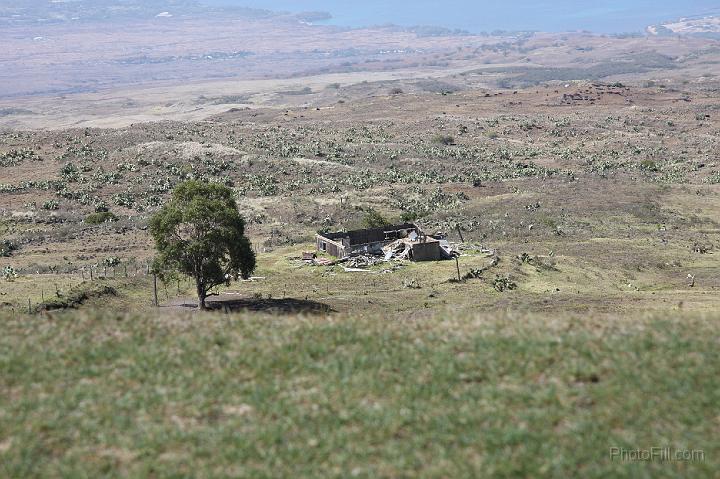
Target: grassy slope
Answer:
pixel 505 396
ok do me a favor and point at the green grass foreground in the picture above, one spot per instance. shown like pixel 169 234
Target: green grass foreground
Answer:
pixel 107 395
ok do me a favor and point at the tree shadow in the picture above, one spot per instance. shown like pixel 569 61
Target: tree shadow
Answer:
pixel 233 304
pixel 273 306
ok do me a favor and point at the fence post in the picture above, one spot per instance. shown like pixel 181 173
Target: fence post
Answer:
pixel 157 305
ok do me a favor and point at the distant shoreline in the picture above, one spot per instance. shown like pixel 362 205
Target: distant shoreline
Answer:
pixel 609 18
pixel 561 16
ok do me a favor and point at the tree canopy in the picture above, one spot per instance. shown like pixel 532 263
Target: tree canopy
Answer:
pixel 200 233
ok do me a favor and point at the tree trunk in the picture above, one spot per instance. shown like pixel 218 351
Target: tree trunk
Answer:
pixel 202 295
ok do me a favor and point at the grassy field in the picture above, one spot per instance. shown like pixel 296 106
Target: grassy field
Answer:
pixel 115 395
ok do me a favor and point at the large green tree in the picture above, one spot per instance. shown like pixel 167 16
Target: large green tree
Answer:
pixel 200 233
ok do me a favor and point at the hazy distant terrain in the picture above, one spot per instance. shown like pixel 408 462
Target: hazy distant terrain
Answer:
pixel 97 63
pixel 703 26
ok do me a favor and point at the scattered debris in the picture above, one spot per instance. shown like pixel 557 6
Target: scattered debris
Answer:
pixel 356 270
pixel 364 261
pixel 325 262
pixel 372 246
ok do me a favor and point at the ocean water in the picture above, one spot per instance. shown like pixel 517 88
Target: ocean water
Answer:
pixel 605 16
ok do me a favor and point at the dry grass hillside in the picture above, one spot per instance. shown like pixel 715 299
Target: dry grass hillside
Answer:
pixel 592 196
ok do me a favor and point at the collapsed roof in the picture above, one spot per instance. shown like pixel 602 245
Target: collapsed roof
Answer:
pixel 405 241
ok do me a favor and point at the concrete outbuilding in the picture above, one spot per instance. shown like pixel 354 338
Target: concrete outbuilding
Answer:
pixel 405 241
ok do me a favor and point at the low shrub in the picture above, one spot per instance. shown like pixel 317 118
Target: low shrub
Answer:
pixel 77 296
pixel 374 219
pixel 100 218
pixel 443 140
pixel 6 248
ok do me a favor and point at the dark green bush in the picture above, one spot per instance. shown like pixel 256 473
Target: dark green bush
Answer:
pixel 373 219
pixel 648 165
pixel 6 248
pixel 100 218
pixel 409 216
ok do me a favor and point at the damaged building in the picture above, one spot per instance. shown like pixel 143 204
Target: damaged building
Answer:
pixel 404 241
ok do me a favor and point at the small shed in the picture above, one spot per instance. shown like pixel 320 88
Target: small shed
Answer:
pixel 367 241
